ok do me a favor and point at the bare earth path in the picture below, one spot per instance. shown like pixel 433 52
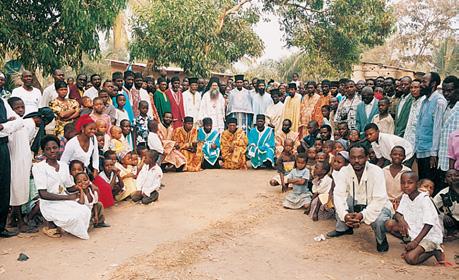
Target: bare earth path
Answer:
pixel 230 226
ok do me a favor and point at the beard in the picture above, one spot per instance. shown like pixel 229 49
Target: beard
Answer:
pixel 426 91
pixel 261 91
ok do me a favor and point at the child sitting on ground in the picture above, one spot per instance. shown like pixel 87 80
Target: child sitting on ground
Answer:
pixel 127 176
pixel 111 175
pixel 321 185
pixel 298 177
pixel 447 201
pixel 426 185
pixel 118 143
pixel 89 196
pixel 392 174
pixel 148 180
pixel 329 149
pixel 284 164
pixel 417 220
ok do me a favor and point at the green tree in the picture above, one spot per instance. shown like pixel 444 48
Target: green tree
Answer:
pixel 446 58
pixel 49 34
pixel 196 35
pixel 333 33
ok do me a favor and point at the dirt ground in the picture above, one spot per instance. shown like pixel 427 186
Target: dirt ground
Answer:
pixel 216 224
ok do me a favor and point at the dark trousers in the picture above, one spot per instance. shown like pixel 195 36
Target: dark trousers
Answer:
pixel 5 180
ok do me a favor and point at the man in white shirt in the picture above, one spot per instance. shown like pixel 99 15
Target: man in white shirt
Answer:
pixel 260 99
pixel 382 144
pixel 50 93
pixel 240 105
pixel 360 196
pixel 30 96
pixel 192 100
pixel 93 91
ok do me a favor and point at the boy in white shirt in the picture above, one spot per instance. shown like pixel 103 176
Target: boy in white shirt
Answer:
pixel 148 179
pixel 417 221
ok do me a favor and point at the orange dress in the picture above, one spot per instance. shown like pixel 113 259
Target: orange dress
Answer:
pixel 185 141
pixel 233 148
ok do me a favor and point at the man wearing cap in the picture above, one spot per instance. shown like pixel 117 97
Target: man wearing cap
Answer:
pixel 261 144
pixel 234 146
pixel 274 111
pixel 283 134
pixel 210 139
pixel 174 94
pixel 186 139
pixel 308 105
pixel 240 104
pixel 292 106
pixel 260 100
pixel 192 100
pixel 3 92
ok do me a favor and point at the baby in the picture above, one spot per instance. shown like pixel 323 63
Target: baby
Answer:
pixel 118 143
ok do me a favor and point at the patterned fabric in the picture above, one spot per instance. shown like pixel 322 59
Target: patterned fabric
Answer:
pixel 280 138
pixel 59 106
pixel 233 148
pixel 307 112
pixel 141 128
pixel 292 109
pixel 450 124
pixel 347 111
pixel 208 139
pixel 189 147
pixel 171 154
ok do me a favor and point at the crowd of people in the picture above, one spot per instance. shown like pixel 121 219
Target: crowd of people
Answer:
pixel 382 151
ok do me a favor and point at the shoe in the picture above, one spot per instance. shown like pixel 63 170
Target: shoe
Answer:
pixel 149 199
pixel 336 233
pixel 383 247
pixel 101 225
pixel 7 234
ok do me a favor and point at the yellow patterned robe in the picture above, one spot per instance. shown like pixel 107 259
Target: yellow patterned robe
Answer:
pixel 236 142
pixel 171 155
pixel 185 141
pixel 307 113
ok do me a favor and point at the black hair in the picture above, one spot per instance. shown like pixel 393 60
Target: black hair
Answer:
pixel 60 84
pixel 94 75
pixel 325 166
pixel 435 77
pixel 347 125
pixel 311 83
pixel 452 79
pixel 289 121
pixel 154 154
pixel 411 174
pixel 327 107
pixel 48 138
pixel 302 156
pixel 326 82
pixel 371 126
pixel 108 153
pixel 143 102
pixel 359 146
pixel 164 114
pixel 119 95
pixel 13 100
pixel 75 161
pixel 329 129
pixel 399 147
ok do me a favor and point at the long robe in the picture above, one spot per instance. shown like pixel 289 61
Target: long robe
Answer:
pixel 260 103
pixel 233 148
pixel 171 155
pixel 210 154
pixel 162 103
pixel 176 101
pixel 214 109
pixel 292 107
pixel 308 104
pixel 274 115
pixel 240 107
pixel 191 104
pixel 401 119
pixel 21 162
pixel 185 141
pixel 317 114
pixel 261 146
pixel 280 138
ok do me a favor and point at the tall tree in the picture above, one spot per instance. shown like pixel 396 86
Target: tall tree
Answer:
pixel 334 32
pixel 195 34
pixel 49 34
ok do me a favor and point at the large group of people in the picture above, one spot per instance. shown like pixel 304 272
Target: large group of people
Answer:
pixel 382 152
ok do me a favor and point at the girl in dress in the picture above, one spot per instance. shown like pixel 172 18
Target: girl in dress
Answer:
pixel 58 206
pixel 65 109
pixel 298 178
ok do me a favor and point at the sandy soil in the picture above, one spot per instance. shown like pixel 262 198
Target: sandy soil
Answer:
pixel 231 226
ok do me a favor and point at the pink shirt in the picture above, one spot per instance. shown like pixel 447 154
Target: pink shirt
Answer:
pixel 453 148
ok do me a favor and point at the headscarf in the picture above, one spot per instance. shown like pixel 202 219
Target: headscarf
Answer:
pixel 343 142
pixel 82 122
pixel 46 115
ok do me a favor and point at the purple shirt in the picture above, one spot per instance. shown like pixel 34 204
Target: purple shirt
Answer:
pixel 453 148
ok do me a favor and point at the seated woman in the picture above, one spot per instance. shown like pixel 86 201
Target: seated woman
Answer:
pixel 57 206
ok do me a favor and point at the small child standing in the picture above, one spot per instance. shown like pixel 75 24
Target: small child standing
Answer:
pixel 121 113
pixel 321 185
pixel 384 120
pixel 284 164
pixel 311 160
pixel 98 114
pixel 141 123
pixel 298 177
pixel 392 174
pixel 118 143
pixel 89 196
pixel 417 219
pixel 148 179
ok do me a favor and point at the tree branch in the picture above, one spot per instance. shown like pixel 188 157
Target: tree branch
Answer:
pixel 228 12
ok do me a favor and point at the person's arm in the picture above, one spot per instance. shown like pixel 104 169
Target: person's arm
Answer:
pixel 437 124
pixel 403 225
pixel 415 242
pixel 377 195
pixel 80 195
pixel 44 194
pixel 452 145
pixel 95 156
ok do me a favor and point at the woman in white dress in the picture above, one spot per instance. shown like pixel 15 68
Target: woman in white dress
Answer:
pixel 83 147
pixel 58 207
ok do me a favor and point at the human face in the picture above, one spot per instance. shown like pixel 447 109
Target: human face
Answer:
pixel 338 163
pixel 333 103
pixel 167 119
pixel 19 108
pixel 135 159
pixel 311 128
pixel 201 84
pixel 58 75
pixel 325 89
pixel 383 107
pixel 426 88
pixel 338 147
pixel 193 87
pixel 96 81
pixel 27 78
pixel 325 112
pixel 370 83
pixel 448 89
pixel 108 166
pixel 127 160
pixel 104 96
pixel 208 127
pixel 98 106
pixel 358 159
pixel 116 133
pixel 185 85
pixel 427 186
pixel 126 128
pixel 451 176
pixel 188 126
pixel 261 89
pixel 312 153
pixel 51 150
pixel 372 135
pixel 354 136
pixel 62 92
pixel 118 83
pixel 246 84
pixel 350 89
pixel 176 85
pixel 397 156
pixel 275 98
pixel 321 157
pixel 310 89
pixel 405 86
pixel 121 101
pixel 128 82
pixel 360 85
pixel 282 89
pixel 379 82
pixel 89 130
pixel 389 86
pixel 138 82
pixel 76 168
pixel 162 86
pixel 214 86
pixel 232 127
pixel 318 145
pixel 101 126
pixel 408 183
pixel 286 125
pixel 260 124
pixel 372 155
pixel 367 96
pixel 300 163
pixel 292 92
pixel 239 84
pixel 81 81
pixel 288 146
pixel 343 130
pixel 82 181
pixel 100 141
pixel 143 108
pixel 327 148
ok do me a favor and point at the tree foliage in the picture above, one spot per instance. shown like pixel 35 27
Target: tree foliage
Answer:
pixel 48 34
pixel 196 35
pixel 333 32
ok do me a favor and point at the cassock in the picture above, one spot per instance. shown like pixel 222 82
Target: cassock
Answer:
pixel 210 154
pixel 162 103
pixel 191 104
pixel 176 101
pixel 171 155
pixel 261 146
pixel 214 109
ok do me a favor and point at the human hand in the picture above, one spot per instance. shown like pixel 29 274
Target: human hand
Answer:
pixel 1 127
pixel 351 220
pixel 11 119
pixel 433 162
pixel 410 246
pixel 284 187
pixel 213 146
pixel 404 227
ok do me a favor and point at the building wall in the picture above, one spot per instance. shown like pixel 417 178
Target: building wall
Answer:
pixel 365 71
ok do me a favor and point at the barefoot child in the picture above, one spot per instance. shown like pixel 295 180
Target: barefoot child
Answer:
pixel 392 174
pixel 298 177
pixel 148 179
pixel 284 164
pixel 417 218
pixel 321 186
pixel 111 175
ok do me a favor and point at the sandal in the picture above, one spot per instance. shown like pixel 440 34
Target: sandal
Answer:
pixel 52 232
